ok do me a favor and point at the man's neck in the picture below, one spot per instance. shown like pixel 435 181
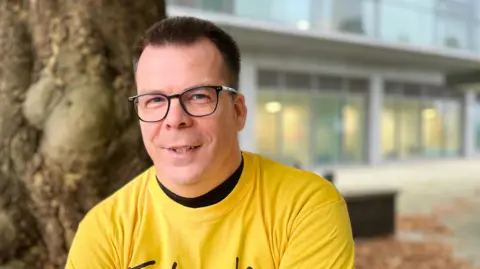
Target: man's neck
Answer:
pixel 210 198
pixel 211 180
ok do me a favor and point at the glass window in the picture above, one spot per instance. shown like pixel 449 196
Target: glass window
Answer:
pixel 461 9
pixel 414 4
pixel 417 29
pixel 418 121
pixel 477 36
pixel 446 23
pixel 338 128
pixel 253 9
pixel 401 121
pixel 289 12
pixel 354 16
pixel 452 133
pixel 268 79
pixel 453 33
pixel 321 15
pixel 326 143
pixel 401 127
pixel 218 5
pixel 432 128
pixel 187 3
pixel 477 9
pixel 477 123
pixel 211 5
pixel 312 128
pixel 298 81
pixel 410 127
pixel 353 127
pixel 283 125
pixel 389 125
pixel 267 122
pixel 295 118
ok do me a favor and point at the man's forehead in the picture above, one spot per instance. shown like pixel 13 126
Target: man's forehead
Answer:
pixel 187 52
pixel 163 56
pixel 172 57
pixel 175 68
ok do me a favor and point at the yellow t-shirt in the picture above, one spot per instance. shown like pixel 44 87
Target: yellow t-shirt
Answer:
pixel 275 217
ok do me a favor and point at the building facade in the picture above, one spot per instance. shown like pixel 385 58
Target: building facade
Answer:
pixel 355 82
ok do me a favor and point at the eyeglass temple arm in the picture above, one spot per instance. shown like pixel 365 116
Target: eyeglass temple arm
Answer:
pixel 226 88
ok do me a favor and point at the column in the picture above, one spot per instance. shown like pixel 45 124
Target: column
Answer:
pixel 248 87
pixel 468 113
pixel 375 102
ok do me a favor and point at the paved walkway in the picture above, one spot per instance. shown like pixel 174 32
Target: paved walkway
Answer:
pixel 449 189
pixel 458 208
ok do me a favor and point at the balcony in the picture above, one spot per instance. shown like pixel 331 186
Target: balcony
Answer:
pixel 438 24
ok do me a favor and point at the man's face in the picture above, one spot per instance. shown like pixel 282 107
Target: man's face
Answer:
pixel 172 69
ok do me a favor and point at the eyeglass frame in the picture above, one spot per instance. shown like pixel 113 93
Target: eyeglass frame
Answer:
pixel 217 88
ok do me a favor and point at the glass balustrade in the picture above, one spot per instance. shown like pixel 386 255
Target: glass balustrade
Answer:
pixel 451 24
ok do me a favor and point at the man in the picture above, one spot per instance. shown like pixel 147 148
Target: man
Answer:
pixel 205 203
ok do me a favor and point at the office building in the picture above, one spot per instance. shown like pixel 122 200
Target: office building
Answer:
pixel 355 82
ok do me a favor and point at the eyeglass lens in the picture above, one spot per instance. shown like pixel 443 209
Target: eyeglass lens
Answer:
pixel 196 102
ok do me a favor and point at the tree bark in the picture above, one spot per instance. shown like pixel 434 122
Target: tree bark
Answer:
pixel 68 137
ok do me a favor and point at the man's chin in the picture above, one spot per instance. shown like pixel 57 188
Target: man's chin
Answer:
pixel 186 174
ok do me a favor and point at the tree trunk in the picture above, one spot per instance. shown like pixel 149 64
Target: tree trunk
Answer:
pixel 68 137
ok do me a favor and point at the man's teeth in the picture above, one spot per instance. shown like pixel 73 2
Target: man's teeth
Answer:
pixel 183 149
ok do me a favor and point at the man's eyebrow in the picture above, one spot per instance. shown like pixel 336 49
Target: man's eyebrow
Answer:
pixel 145 91
pixel 158 91
pixel 201 85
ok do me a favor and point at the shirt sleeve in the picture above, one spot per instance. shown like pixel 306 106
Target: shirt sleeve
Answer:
pixel 322 239
pixel 93 246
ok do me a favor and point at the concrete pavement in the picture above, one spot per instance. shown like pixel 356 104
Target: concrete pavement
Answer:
pixel 449 189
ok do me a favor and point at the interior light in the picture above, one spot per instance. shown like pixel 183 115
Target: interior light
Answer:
pixel 429 113
pixel 303 25
pixel 273 107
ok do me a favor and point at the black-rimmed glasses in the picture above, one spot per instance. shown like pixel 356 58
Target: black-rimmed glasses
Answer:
pixel 197 102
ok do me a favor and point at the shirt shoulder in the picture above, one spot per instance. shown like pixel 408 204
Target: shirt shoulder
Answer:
pixel 310 218
pixel 101 234
pixel 125 199
pixel 289 186
pixel 115 213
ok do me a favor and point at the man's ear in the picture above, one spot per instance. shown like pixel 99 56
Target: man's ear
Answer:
pixel 240 111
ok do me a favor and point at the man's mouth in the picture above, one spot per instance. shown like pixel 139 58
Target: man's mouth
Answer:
pixel 183 149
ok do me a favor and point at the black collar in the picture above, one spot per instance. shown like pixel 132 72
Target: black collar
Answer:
pixel 210 198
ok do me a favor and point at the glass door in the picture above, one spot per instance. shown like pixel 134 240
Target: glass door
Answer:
pixel 477 124
pixel 326 129
pixel 295 118
pixel 353 129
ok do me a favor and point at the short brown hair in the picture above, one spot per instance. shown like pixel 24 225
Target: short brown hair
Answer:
pixel 185 30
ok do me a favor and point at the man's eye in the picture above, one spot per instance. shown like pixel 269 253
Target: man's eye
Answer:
pixel 154 101
pixel 199 97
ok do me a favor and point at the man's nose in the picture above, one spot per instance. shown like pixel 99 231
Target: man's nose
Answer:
pixel 177 117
